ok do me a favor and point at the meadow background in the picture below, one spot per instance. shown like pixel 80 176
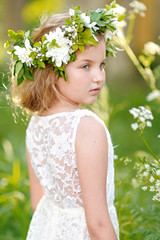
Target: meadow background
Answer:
pixel 125 89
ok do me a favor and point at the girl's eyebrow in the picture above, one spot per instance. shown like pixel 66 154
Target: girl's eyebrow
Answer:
pixel 88 60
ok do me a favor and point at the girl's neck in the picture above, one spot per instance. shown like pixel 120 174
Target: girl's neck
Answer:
pixel 61 106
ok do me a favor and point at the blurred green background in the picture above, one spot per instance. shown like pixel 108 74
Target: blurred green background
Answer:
pixel 126 89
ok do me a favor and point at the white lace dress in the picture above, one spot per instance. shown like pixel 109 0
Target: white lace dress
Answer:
pixel 60 214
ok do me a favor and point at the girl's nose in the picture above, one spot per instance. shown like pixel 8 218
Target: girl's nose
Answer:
pixel 99 76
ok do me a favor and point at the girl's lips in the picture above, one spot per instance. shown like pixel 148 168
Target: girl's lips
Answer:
pixel 95 91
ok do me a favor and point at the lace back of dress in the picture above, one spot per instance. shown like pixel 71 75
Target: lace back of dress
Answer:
pixel 50 143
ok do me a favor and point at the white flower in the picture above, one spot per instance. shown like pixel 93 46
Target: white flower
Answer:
pixel 158 172
pixel 119 10
pixel 153 95
pixel 109 35
pixel 62 53
pixel 145 174
pixel 134 126
pixel 115 157
pixel 86 20
pixel 152 189
pixel 71 12
pixel 23 53
pixel 148 124
pixel 144 188
pixel 151 48
pixel 135 112
pixel 151 179
pixel 158 136
pixel 138 7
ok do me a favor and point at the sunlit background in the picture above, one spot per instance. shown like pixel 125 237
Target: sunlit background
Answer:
pixel 125 89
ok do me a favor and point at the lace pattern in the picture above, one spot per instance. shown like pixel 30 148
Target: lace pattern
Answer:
pixel 50 141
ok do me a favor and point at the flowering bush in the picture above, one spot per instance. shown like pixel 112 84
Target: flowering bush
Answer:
pixel 143 175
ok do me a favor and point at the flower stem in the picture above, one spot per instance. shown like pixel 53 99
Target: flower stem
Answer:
pixel 148 76
pixel 148 147
pixel 129 35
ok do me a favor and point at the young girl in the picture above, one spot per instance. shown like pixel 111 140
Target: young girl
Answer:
pixel 69 150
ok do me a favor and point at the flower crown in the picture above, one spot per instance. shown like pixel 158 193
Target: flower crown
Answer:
pixel 59 47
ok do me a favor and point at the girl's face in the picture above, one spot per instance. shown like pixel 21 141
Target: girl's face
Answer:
pixel 85 76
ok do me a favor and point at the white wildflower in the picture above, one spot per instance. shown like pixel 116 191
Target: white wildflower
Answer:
pixel 145 174
pixel 148 124
pixel 119 11
pixel 62 53
pixel 153 95
pixel 144 188
pixel 23 53
pixel 157 184
pixel 135 112
pixel 115 157
pixel 155 198
pixel 127 160
pixel 151 48
pixel 138 7
pixel 71 12
pixel 152 189
pixel 134 126
pixel 151 179
pixel 158 136
pixel 158 172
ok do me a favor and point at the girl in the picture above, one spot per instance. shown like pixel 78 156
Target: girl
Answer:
pixel 69 150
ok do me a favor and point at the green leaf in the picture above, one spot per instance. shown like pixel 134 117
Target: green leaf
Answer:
pixel 75 47
pixel 27 34
pixel 113 3
pixel 107 7
pixel 101 24
pixel 20 74
pixel 10 52
pixel 41 64
pixel 73 57
pixel 19 66
pixel 121 18
pixel 37 45
pixel 20 80
pixel 44 38
pixel 68 21
pixel 7 44
pixel 95 16
pixel 27 73
pixel 81 48
pixel 12 35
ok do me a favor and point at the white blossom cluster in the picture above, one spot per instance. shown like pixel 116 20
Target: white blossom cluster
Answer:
pixel 119 25
pixel 143 117
pixel 151 48
pixel 62 53
pixel 138 7
pixel 150 172
pixel 23 53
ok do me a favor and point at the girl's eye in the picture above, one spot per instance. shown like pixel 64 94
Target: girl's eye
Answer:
pixel 85 66
pixel 102 65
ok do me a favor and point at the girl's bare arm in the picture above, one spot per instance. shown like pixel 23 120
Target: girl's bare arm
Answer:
pixel 36 189
pixel 92 161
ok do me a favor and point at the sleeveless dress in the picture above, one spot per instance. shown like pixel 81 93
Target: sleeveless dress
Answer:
pixel 60 215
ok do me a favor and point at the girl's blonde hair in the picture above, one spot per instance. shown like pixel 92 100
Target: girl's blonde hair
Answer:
pixel 40 94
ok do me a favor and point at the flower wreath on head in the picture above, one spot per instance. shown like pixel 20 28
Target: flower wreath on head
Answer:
pixel 59 47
